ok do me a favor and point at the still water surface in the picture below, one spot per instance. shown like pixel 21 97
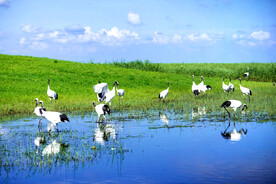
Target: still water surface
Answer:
pixel 160 147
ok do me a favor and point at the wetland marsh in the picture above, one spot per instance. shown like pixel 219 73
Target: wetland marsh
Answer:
pixel 139 147
pixel 187 139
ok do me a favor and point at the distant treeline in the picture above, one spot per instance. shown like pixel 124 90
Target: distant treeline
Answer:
pixel 257 71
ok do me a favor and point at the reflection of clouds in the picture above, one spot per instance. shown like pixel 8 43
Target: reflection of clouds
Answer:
pixel 103 133
pixel 234 135
pixel 4 132
pixel 200 111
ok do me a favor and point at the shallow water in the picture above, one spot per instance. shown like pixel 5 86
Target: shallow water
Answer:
pixel 155 147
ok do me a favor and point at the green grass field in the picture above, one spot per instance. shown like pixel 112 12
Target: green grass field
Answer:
pixel 24 78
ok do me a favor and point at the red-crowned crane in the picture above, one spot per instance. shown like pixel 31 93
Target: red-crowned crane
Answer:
pixel 53 117
pixel 245 91
pixel 225 87
pixel 231 86
pixel 38 112
pixel 164 93
pixel 203 88
pixel 234 104
pixel 101 109
pixel 120 92
pixel 246 74
pixel 51 94
pixel 195 87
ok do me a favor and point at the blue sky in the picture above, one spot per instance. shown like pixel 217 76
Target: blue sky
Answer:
pixel 159 31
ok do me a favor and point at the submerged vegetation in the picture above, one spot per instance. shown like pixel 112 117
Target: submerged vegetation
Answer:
pixel 24 78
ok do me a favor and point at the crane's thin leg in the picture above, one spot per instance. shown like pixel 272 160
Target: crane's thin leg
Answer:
pixel 227 112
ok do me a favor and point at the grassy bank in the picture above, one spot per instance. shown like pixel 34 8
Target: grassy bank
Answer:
pixel 24 78
pixel 258 71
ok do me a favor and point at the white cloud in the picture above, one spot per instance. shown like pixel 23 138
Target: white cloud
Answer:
pixel 61 36
pixel 236 37
pixel 197 37
pixel 28 28
pixel 176 38
pixel 22 41
pixel 33 44
pixel 253 39
pixel 160 38
pixel 38 45
pixel 133 18
pixel 54 34
pixel 251 44
pixel 109 37
pixel 75 29
pixel 40 36
pixel 260 35
pixel 4 3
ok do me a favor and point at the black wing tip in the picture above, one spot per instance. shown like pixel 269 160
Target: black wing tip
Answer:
pixel 63 118
pixel 106 109
pixel 196 93
pixel 226 104
pixel 250 92
pixel 209 87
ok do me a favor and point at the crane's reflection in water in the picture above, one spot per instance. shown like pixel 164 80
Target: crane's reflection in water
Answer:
pixel 234 134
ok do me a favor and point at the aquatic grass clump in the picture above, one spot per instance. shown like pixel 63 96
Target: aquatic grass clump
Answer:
pixel 27 149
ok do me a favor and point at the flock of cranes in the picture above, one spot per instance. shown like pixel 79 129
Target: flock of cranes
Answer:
pixel 105 95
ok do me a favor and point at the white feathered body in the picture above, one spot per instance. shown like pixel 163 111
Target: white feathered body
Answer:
pixel 231 86
pixel 101 89
pixel 51 94
pixel 194 86
pixel 235 104
pixel 225 87
pixel 164 93
pixel 110 95
pixel 37 112
pixel 245 90
pixel 120 92
pixel 203 88
pixel 99 109
pixel 55 117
